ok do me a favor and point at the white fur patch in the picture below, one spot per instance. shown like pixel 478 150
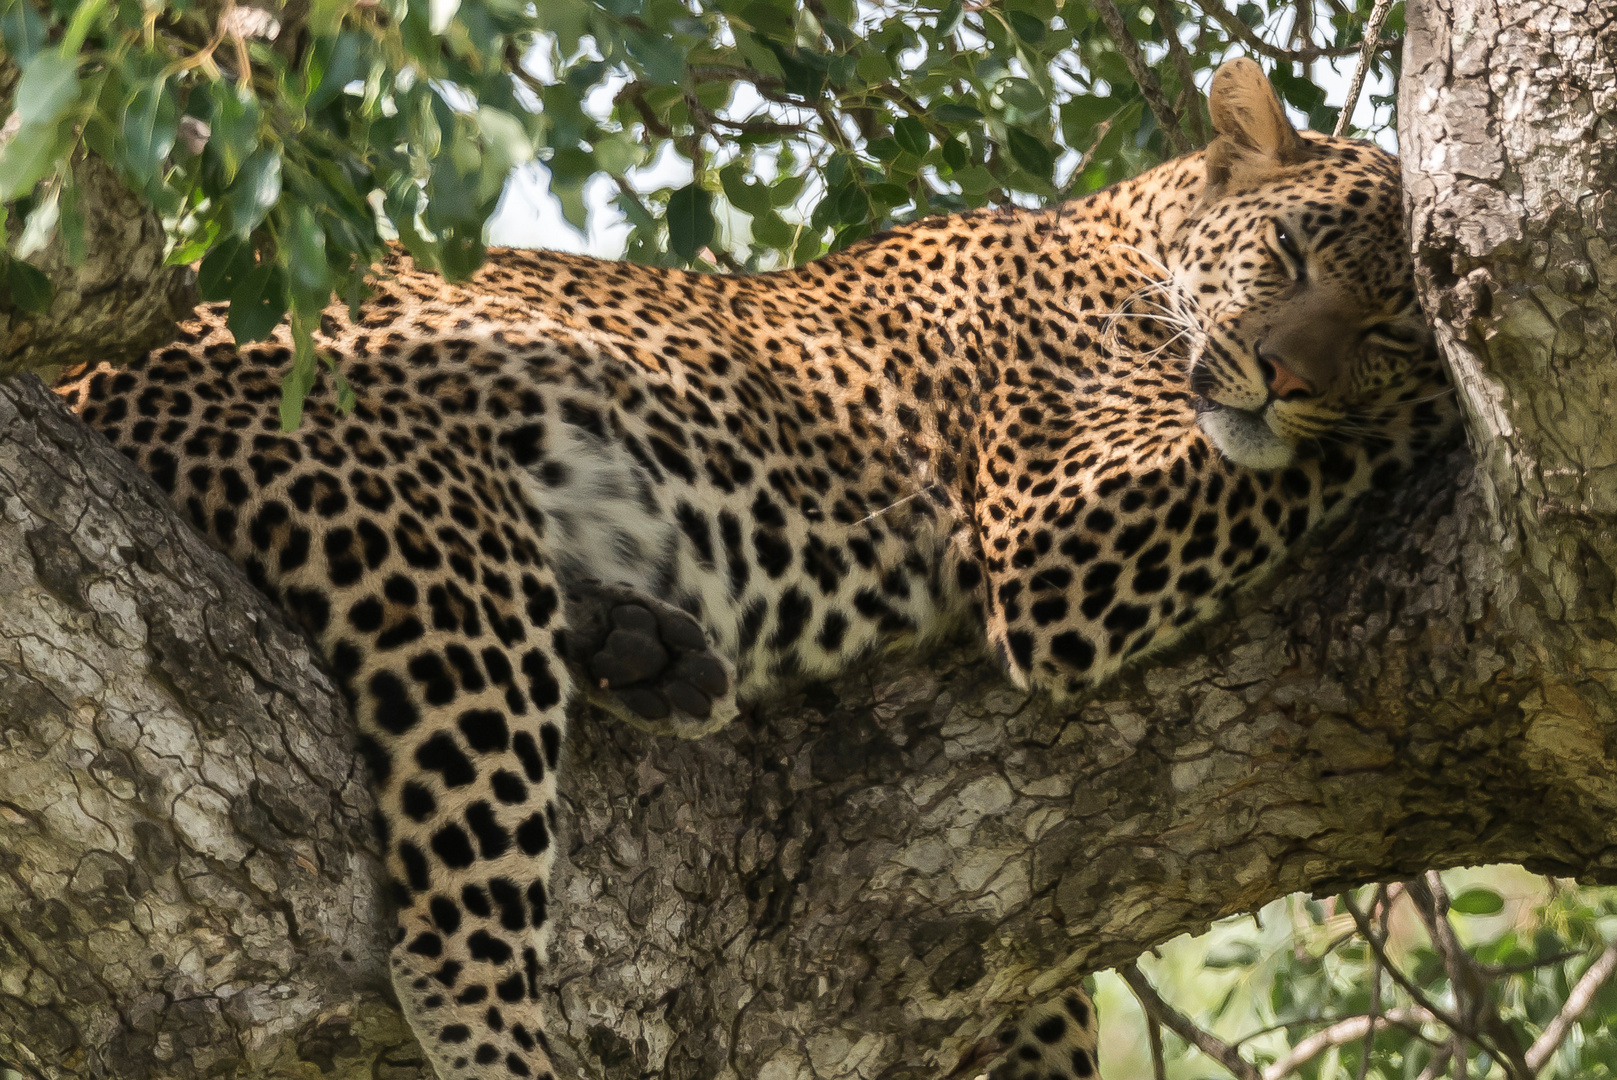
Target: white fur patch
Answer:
pixel 601 511
pixel 1244 438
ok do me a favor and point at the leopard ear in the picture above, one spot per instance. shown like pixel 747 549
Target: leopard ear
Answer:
pixel 1255 140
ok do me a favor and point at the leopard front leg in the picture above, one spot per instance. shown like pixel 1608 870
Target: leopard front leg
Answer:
pixel 647 662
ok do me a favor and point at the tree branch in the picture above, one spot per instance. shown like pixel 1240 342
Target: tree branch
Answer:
pixel 1543 1048
pixel 1367 52
pixel 1243 33
pixel 1379 907
pixel 1453 1022
pixel 1190 99
pixel 1182 1026
pixel 1477 1011
pixel 1343 1031
pixel 1150 86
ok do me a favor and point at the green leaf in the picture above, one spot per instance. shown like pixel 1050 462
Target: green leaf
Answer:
pixel 954 112
pixel 770 20
pixel 72 227
pixel 29 289
pixel 660 60
pixel 299 380
pixel 1022 95
pixel 690 221
pixel 1477 901
pixel 1030 153
pixel 849 234
pixel 744 193
pixel 234 125
pixel 912 136
pixel 306 253
pixel 772 229
pixel 23 31
pixel 1027 27
pixel 884 149
pixel 346 63
pixel 955 154
pixel 29 156
pixel 889 195
pixel 852 205
pixel 223 269
pixel 150 124
pixel 255 191
pixel 505 146
pixel 258 303
pixel 48 88
pixel 784 192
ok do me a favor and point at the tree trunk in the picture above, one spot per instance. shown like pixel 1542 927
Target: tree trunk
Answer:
pixel 865 878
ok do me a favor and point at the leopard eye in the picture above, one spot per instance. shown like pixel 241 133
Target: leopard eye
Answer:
pixel 1291 252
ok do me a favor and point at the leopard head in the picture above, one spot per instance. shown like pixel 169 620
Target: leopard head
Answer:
pixel 1294 270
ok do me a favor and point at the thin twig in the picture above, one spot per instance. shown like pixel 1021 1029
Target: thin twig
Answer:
pixel 1343 1031
pixel 1378 905
pixel 635 94
pixel 1576 1002
pixel 1153 1032
pixel 1367 52
pixel 1176 1022
pixel 513 64
pixel 1439 1062
pixel 1240 31
pixel 1471 1001
pixel 1150 87
pixel 1190 98
pixel 1359 919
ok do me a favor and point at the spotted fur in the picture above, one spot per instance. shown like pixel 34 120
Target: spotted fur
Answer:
pixel 1070 431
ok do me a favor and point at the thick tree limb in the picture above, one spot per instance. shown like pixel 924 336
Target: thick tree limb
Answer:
pixel 866 877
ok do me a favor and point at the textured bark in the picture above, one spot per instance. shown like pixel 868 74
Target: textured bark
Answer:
pixel 121 302
pixel 865 878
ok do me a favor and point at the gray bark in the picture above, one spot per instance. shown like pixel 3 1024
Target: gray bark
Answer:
pixel 866 878
pixel 120 302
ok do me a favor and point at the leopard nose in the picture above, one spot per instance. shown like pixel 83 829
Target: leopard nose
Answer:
pixel 1286 384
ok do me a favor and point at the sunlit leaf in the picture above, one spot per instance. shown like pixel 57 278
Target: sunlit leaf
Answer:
pixel 1477 902
pixel 48 87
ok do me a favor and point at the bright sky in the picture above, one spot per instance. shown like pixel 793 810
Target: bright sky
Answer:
pixel 530 216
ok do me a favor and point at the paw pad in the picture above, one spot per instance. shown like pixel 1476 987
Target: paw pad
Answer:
pixel 649 657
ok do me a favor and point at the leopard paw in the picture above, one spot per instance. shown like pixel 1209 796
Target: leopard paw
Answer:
pixel 647 662
pixel 1053 1040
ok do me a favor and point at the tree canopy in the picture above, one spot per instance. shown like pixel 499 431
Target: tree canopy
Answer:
pixel 286 146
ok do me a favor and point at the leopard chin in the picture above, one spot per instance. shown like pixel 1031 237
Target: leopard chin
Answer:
pixel 1244 437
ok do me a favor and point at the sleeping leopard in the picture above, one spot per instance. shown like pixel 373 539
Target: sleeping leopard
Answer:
pixel 1073 432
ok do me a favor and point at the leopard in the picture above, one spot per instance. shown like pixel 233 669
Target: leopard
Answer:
pixel 1069 433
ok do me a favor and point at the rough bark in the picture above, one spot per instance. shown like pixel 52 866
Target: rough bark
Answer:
pixel 865 878
pixel 120 302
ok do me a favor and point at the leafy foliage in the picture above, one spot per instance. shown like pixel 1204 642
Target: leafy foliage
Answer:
pixel 286 156
pixel 1272 983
